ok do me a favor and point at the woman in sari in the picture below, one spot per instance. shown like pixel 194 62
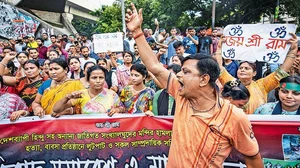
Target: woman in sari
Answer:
pixel 137 98
pixel 26 87
pixel 55 88
pixel 95 99
pixel 288 96
pixel 258 89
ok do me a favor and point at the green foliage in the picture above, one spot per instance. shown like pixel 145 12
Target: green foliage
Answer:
pixel 84 26
pixel 110 19
pixel 185 13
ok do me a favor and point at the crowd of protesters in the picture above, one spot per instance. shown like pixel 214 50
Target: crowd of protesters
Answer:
pixel 41 75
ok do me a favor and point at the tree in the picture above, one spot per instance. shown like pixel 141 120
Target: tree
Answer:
pixel 110 19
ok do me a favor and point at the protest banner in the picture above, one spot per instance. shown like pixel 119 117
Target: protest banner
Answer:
pixel 262 42
pixel 131 141
pixel 108 41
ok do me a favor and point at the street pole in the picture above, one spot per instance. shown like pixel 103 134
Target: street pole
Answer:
pixel 123 16
pixel 213 14
pixel 276 12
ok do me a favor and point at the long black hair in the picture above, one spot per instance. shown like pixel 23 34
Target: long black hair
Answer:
pixel 236 90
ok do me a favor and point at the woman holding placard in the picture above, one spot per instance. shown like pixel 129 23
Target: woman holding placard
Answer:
pixel 260 88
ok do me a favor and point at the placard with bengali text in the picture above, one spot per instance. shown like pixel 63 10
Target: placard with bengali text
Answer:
pixel 262 42
pixel 108 41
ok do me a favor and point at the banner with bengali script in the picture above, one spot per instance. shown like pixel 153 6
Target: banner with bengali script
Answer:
pixel 126 141
pixel 262 42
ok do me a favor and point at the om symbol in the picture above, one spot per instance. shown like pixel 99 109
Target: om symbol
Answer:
pixel 236 31
pixel 272 56
pixel 279 32
pixel 230 53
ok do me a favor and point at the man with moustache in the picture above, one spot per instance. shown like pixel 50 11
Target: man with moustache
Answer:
pixel 206 127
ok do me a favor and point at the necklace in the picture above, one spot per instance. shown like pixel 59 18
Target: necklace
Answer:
pixel 203 111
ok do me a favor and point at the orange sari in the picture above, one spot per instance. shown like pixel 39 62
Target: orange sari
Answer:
pixel 258 89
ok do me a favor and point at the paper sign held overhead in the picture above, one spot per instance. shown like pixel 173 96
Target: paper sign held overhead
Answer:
pixel 108 41
pixel 262 42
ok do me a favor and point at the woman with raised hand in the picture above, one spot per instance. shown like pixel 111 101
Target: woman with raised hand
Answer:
pixel 55 88
pixel 236 93
pixel 288 96
pixel 11 105
pixel 137 98
pixel 84 79
pixel 258 89
pixel 95 99
pixel 123 71
pixel 26 87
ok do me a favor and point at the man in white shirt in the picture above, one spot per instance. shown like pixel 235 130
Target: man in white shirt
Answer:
pixel 85 52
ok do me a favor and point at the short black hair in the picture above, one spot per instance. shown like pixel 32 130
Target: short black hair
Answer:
pixel 202 28
pixel 39 39
pixel 83 47
pixel 53 50
pixel 94 68
pixel 53 35
pixel 190 28
pixel 236 90
pixel 33 49
pixel 177 44
pixel 206 65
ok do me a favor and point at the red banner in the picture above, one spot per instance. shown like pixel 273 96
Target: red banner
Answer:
pixel 121 141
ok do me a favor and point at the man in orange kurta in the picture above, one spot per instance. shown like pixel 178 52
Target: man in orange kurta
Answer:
pixel 205 127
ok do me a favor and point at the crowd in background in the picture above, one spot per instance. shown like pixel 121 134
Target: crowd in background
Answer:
pixel 62 75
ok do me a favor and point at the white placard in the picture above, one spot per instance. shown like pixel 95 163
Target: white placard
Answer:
pixel 262 42
pixel 108 41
